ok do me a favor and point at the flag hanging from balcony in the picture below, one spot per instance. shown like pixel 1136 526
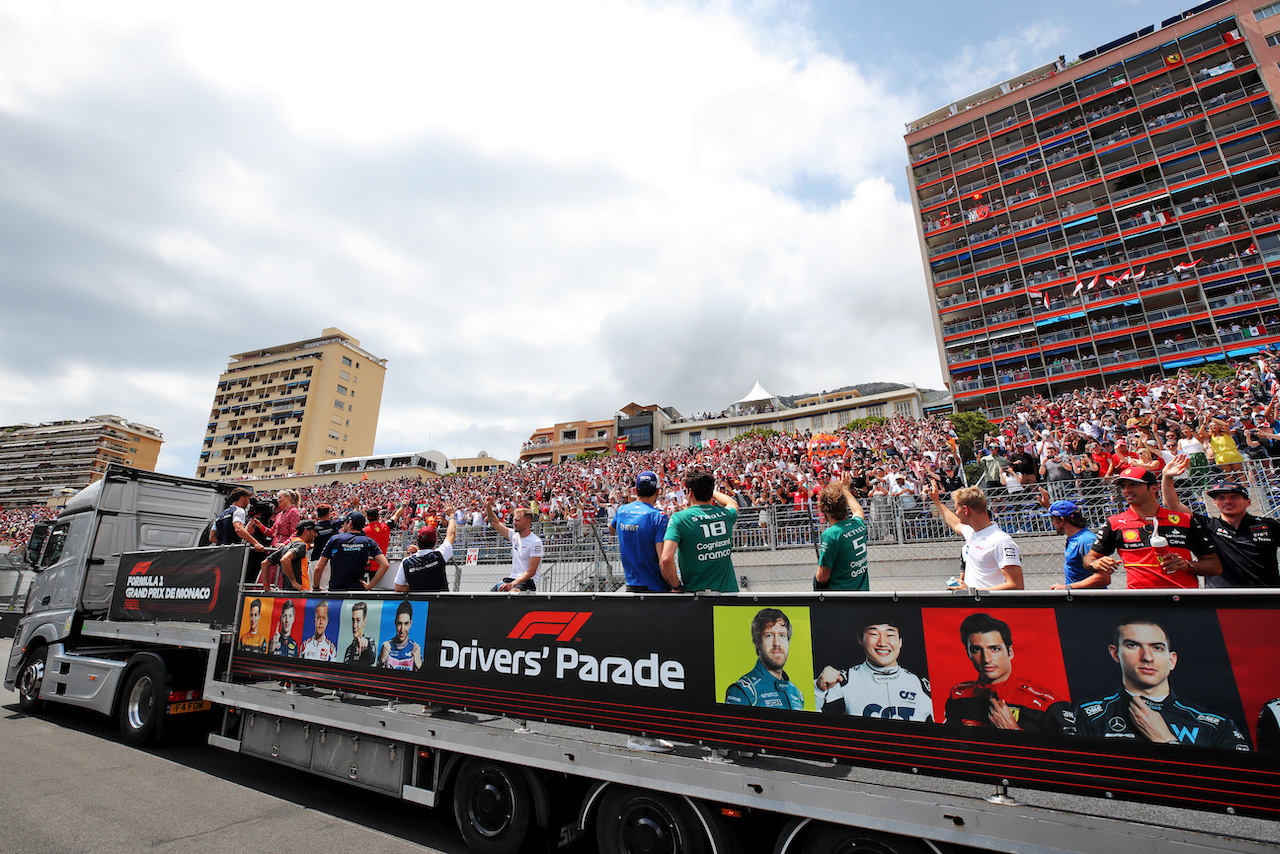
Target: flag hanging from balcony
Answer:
pixel 1138 275
pixel 979 212
pixel 1187 265
pixel 1095 281
pixel 1111 281
pixel 1125 276
pixel 1173 59
pixel 1232 37
pixel 1079 288
pixel 1119 80
pixel 1162 217
pixel 1045 294
pixel 1252 250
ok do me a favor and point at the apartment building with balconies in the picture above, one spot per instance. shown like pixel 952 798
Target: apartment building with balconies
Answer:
pixel 1110 217
pixel 42 463
pixel 283 409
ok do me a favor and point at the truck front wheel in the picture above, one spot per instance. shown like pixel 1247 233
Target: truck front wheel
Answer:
pixel 493 806
pixel 838 839
pixel 142 701
pixel 636 821
pixel 30 678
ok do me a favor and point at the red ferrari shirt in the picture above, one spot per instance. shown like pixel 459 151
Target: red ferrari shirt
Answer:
pixel 1130 534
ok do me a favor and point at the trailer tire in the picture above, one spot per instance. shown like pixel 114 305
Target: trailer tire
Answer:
pixel 30 677
pixel 632 821
pixel 839 839
pixel 492 806
pixel 142 701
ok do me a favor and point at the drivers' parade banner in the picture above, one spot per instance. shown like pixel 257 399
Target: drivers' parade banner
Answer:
pixel 1147 697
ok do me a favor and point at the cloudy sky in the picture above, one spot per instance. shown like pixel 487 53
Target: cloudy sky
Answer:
pixel 536 212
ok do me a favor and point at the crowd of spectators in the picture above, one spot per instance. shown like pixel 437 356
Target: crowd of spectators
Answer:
pixel 1083 436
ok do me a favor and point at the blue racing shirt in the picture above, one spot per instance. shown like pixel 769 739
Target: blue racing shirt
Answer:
pixel 640 528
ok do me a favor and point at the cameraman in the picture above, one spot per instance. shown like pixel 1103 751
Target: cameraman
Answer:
pixel 232 524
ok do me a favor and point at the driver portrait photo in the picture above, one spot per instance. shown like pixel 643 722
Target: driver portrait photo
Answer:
pixel 1145 707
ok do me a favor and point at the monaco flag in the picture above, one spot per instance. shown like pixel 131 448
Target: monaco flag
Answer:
pixel 1094 283
pixel 1079 288
pixel 1183 267
pixel 1252 250
pixel 1138 275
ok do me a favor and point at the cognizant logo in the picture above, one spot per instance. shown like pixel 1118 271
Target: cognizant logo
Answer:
pixel 563 625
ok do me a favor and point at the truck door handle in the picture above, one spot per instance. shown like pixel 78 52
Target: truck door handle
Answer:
pixel 44 601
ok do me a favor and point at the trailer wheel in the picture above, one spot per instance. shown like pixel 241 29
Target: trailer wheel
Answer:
pixel 141 703
pixel 492 806
pixel 838 839
pixel 636 821
pixel 30 677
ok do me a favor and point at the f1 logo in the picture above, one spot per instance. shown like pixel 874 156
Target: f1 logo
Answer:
pixel 140 568
pixel 563 624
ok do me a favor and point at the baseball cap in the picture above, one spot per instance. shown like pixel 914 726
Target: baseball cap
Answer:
pixel 1063 509
pixel 1139 474
pixel 305 526
pixel 1226 486
pixel 646 480
pixel 357 520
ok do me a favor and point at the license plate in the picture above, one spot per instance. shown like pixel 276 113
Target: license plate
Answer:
pixel 189 706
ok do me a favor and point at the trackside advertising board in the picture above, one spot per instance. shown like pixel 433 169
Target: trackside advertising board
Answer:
pixel 189 585
pixel 1159 698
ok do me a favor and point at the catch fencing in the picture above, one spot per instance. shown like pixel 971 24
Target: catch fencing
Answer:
pixel 910 547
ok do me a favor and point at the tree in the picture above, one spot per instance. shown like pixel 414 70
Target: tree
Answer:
pixel 969 426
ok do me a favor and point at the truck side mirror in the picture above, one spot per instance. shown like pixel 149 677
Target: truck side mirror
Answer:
pixel 36 544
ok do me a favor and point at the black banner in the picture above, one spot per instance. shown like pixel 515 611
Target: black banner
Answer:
pixel 189 585
pixel 1160 698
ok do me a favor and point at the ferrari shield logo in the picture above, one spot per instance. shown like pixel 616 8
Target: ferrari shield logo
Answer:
pixel 1173 518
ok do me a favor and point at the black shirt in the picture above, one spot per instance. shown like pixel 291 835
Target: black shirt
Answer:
pixel 1248 553
pixel 348 556
pixel 324 530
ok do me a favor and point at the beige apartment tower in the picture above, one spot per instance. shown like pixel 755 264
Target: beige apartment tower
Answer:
pixel 283 409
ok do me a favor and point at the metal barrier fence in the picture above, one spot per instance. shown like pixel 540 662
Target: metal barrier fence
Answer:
pixel 15 578
pixel 910 546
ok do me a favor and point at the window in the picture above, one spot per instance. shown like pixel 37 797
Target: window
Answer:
pixel 346 361
pixel 53 548
pixel 337 404
pixel 333 434
pixel 1273 40
pixel 344 375
pixel 331 451
pixel 336 420
pixel 902 407
pixel 344 437
pixel 342 389
pixel 876 411
pixel 568 435
pixel 817 422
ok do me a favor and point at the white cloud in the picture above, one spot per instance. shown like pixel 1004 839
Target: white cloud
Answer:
pixel 535 212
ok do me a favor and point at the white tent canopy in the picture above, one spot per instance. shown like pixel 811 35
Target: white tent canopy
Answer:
pixel 756 394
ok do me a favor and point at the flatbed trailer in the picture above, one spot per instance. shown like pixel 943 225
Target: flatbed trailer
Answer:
pixel 516 712
pixel 509 780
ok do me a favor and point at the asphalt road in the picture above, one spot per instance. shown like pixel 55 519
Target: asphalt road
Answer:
pixel 69 785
